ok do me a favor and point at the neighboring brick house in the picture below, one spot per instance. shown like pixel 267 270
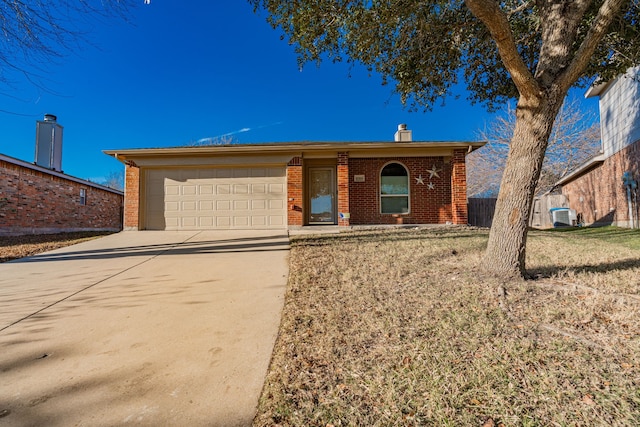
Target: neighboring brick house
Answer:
pixel 35 199
pixel 596 189
pixel 296 184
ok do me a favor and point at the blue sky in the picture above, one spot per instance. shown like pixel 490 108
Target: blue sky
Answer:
pixel 184 71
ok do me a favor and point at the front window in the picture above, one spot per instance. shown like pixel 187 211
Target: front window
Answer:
pixel 394 189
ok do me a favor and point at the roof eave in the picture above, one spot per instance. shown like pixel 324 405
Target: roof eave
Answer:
pixel 582 169
pixel 257 149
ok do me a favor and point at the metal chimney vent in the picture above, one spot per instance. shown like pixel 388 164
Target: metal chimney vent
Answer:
pixel 403 134
pixel 49 143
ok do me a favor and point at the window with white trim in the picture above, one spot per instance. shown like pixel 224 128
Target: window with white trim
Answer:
pixel 83 196
pixel 394 189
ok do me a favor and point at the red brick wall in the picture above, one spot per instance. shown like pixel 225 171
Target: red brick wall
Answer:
pixel 426 206
pixel 132 198
pixel 599 195
pixel 32 201
pixel 295 201
pixel 459 187
pixel 343 187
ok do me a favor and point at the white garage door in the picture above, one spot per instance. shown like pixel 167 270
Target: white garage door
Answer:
pixel 215 198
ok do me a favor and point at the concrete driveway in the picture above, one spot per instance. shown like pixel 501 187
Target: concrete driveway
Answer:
pixel 141 328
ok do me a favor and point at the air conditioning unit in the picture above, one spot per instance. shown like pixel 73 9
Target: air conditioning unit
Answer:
pixel 563 217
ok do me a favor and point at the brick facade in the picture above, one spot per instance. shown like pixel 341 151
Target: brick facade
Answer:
pixel 599 195
pixel 132 198
pixel 343 188
pixel 459 188
pixel 35 201
pixel 426 206
pixel 294 192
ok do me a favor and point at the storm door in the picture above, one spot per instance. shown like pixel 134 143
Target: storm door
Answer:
pixel 322 195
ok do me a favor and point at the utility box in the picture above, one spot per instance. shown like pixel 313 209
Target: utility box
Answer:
pixel 49 143
pixel 563 217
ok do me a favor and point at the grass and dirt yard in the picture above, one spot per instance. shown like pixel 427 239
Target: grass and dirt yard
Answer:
pixel 14 247
pixel 401 328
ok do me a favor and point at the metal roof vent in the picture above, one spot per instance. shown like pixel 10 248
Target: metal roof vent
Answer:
pixel 49 143
pixel 403 134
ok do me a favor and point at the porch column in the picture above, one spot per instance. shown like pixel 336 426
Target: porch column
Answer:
pixel 459 188
pixel 294 192
pixel 131 197
pixel 343 189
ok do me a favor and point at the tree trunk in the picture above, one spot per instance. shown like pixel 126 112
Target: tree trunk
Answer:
pixel 505 254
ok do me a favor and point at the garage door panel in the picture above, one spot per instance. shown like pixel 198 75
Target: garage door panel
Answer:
pixel 211 198
pixel 240 189
pixel 257 204
pixel 189 206
pixel 172 190
pixel 276 221
pixel 258 188
pixel 276 189
pixel 188 190
pixel 276 204
pixel 206 222
pixel 205 189
pixel 259 221
pixel 206 205
pixel 241 205
pixel 223 222
pixel 223 189
pixel 240 221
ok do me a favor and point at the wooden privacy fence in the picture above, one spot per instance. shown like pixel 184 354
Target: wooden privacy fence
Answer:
pixel 480 210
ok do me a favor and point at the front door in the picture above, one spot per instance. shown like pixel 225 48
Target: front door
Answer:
pixel 322 195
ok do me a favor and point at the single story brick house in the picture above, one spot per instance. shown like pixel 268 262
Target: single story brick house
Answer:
pixel 290 185
pixel 599 190
pixel 39 200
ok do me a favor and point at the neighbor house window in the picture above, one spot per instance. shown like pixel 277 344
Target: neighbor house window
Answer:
pixel 394 189
pixel 83 196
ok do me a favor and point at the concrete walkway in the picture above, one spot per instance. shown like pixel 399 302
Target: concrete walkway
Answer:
pixel 141 328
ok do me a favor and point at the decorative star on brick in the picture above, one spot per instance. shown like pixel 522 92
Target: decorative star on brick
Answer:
pixel 419 180
pixel 431 186
pixel 434 171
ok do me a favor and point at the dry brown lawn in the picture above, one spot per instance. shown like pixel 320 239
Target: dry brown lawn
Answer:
pixel 14 247
pixel 400 328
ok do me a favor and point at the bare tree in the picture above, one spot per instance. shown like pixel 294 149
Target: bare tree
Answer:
pixel 575 138
pixel 115 180
pixel 214 140
pixel 36 33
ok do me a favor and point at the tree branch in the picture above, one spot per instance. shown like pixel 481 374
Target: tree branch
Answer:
pixel 489 12
pixel 606 14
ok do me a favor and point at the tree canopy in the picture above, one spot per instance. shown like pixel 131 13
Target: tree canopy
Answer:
pixel 427 47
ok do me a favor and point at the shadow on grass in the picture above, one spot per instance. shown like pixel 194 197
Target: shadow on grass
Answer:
pixel 369 236
pixel 607 267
